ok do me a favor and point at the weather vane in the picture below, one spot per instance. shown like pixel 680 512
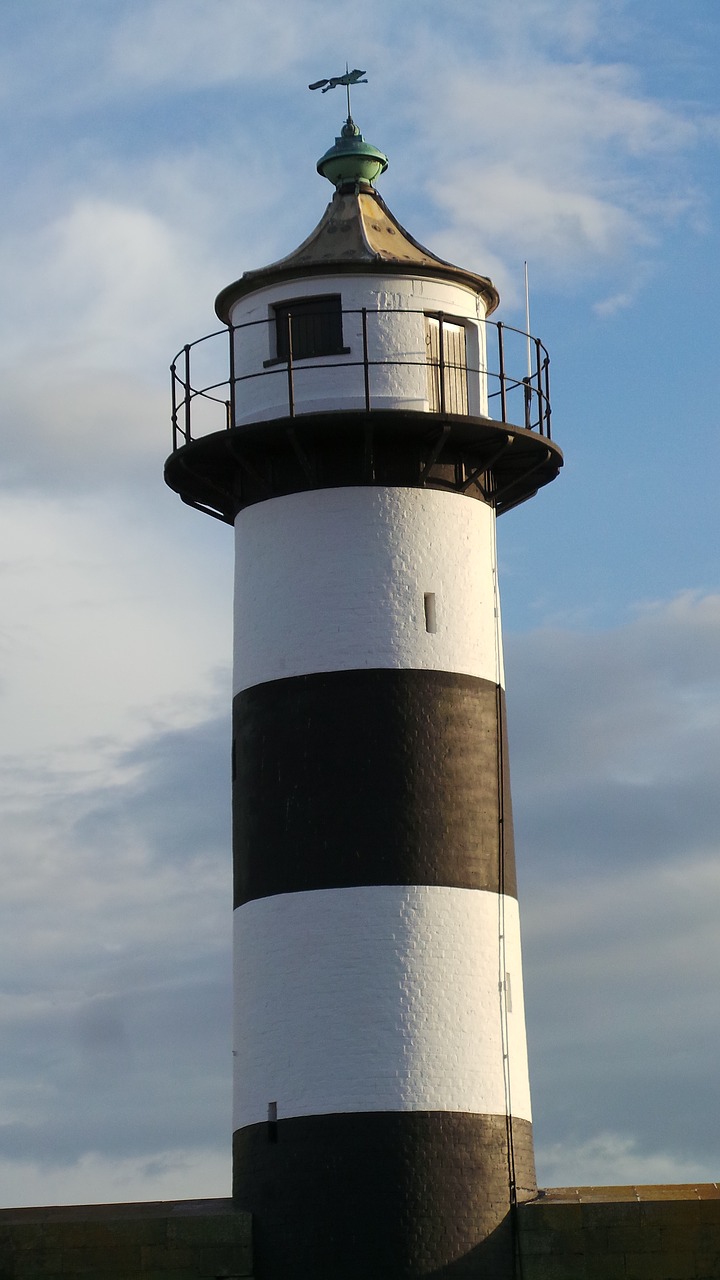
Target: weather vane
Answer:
pixel 350 77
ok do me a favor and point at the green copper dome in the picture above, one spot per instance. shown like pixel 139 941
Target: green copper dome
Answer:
pixel 352 160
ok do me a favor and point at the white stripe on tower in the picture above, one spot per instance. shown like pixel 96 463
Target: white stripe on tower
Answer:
pixel 336 579
pixel 394 1005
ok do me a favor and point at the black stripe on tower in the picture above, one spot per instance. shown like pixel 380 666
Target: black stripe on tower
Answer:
pixel 371 777
pixel 383 1195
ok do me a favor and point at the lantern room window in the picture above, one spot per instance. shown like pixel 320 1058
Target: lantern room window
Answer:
pixel 309 327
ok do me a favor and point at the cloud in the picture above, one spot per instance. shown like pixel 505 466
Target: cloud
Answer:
pixel 613 1160
pixel 181 789
pixel 85 377
pixel 566 26
pixel 615 738
pixel 575 167
pixel 617 302
pixel 127 273
pixel 136 48
pixel 115 935
pixel 75 430
pixel 520 134
pixel 115 954
pixel 639 705
pixel 107 628
pixel 208 42
pixel 113 272
pixel 156 151
pixel 174 1173
pixel 566 172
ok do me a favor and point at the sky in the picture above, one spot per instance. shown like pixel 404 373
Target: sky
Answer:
pixel 152 150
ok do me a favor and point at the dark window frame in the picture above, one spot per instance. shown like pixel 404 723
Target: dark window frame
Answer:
pixel 316 328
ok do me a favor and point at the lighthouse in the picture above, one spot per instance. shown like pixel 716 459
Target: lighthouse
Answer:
pixel 373 422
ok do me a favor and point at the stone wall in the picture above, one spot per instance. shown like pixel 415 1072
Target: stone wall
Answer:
pixel 622 1233
pixel 569 1233
pixel 175 1240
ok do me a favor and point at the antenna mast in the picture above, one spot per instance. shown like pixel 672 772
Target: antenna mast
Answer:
pixel 527 320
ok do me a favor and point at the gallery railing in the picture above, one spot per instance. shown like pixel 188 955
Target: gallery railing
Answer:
pixel 202 403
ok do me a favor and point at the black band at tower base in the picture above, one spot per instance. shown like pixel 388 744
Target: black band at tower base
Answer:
pixel 384 1195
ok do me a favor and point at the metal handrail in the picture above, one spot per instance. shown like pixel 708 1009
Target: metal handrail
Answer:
pixel 535 384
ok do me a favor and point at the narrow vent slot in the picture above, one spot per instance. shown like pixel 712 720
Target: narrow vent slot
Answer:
pixel 430 612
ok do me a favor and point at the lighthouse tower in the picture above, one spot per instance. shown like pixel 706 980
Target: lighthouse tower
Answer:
pixel 377 423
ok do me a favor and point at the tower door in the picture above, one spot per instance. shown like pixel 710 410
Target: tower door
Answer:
pixel 447 387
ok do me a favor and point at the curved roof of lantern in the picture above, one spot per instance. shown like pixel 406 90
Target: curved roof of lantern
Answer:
pixel 357 233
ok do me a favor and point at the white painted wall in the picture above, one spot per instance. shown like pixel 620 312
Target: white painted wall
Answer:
pixel 334 580
pixel 378 998
pixel 395 340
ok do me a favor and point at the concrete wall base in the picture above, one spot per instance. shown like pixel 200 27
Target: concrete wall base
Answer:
pixel 622 1233
pixel 568 1233
pixel 171 1240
